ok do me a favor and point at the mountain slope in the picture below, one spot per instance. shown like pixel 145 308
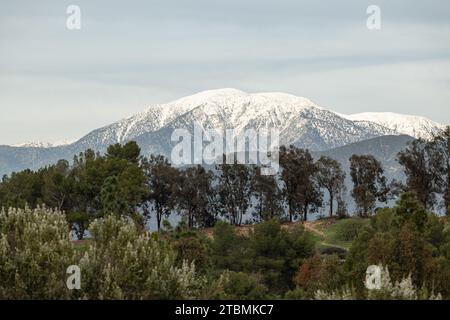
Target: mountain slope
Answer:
pixel 31 144
pixel 300 121
pixel 385 149
pixel 415 126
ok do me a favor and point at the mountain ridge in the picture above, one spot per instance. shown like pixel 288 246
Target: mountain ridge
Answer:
pixel 300 121
pixel 415 126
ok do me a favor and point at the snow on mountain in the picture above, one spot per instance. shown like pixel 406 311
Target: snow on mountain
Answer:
pixel 63 142
pixel 415 126
pixel 299 120
pixel 40 144
pixel 34 145
pixel 236 107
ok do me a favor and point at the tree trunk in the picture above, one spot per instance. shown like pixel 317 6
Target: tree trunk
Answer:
pixel 331 204
pixel 190 219
pixel 158 218
pixel 261 207
pixel 290 211
pixel 240 215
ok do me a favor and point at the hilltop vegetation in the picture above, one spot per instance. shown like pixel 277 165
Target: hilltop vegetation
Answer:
pixel 111 197
pixel 123 261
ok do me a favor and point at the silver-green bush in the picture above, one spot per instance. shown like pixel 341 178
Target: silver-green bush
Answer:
pixel 124 263
pixel 35 251
pixel 119 262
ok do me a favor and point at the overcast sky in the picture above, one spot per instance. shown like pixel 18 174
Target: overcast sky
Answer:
pixel 58 84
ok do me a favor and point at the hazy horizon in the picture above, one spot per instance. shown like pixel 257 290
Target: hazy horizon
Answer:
pixel 58 84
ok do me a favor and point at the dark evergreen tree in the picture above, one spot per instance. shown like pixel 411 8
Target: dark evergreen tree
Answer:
pixel 57 186
pixel 112 199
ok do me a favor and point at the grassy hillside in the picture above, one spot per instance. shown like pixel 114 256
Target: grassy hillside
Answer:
pixel 336 233
pixel 331 234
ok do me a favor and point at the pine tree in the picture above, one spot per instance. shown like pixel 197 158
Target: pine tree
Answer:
pixel 112 199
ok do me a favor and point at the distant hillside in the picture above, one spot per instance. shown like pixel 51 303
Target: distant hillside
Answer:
pixel 385 149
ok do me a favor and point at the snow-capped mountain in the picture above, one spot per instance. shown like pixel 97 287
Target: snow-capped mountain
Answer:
pixel 38 144
pixel 300 122
pixel 414 126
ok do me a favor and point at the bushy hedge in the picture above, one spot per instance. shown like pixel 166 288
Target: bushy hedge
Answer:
pixel 124 263
pixel 348 229
pixel 120 261
pixel 35 251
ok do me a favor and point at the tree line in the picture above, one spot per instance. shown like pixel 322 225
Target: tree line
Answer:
pixel 123 182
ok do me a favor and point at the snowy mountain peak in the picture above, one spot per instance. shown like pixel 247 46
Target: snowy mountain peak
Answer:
pixel 415 126
pixel 299 120
pixel 31 144
pixel 43 145
pixel 231 105
pixel 222 98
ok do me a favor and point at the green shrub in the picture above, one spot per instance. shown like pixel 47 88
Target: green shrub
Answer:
pixel 242 286
pixel 276 253
pixel 349 229
pixel 35 252
pixel 124 263
pixel 411 242
pixel 319 273
pixel 228 250
pixel 119 262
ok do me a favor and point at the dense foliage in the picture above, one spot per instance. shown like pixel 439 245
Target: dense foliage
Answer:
pixel 270 260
